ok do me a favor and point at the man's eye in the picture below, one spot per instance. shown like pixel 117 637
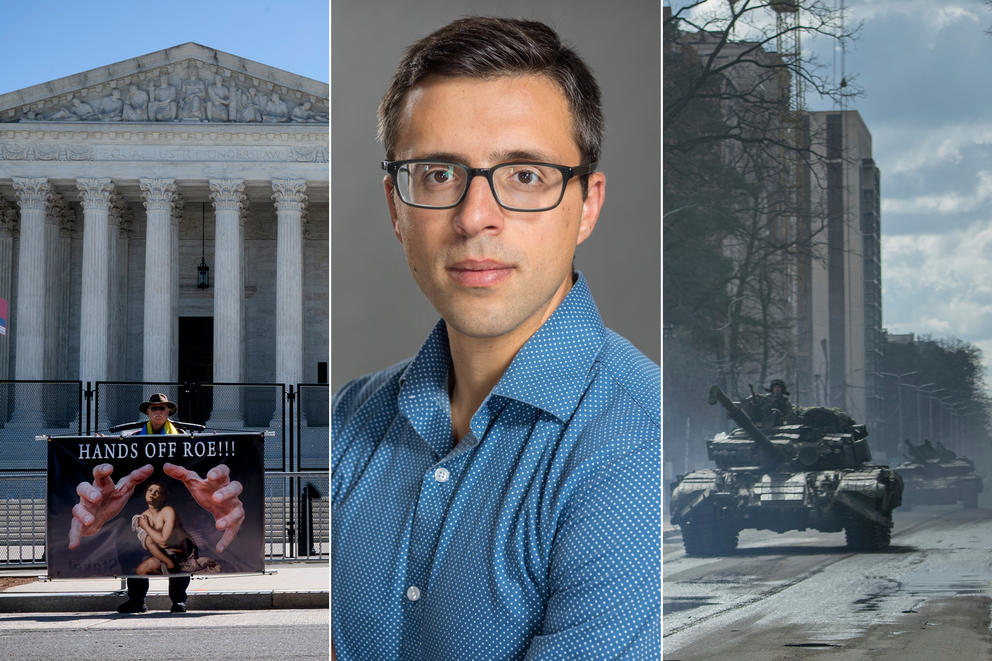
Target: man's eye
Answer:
pixel 439 174
pixel 524 177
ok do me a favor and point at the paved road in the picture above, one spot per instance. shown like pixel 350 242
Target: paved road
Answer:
pixel 199 636
pixel 802 595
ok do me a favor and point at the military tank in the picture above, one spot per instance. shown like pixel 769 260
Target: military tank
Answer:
pixel 807 468
pixel 938 476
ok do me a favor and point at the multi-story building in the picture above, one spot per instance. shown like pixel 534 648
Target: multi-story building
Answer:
pixel 841 322
pixel 804 295
pixel 165 219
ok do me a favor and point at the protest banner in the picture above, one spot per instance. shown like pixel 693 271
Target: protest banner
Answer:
pixel 137 505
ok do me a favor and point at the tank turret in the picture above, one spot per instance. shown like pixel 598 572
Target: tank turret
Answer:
pixel 812 438
pixel 935 475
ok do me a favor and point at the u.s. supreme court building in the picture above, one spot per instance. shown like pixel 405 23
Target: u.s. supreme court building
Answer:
pixel 120 184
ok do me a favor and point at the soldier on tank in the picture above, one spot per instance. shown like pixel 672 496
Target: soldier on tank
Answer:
pixel 779 399
pixel 772 409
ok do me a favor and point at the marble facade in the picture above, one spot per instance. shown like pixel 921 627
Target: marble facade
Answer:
pixel 115 180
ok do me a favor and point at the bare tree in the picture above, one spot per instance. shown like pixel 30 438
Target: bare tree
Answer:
pixel 734 159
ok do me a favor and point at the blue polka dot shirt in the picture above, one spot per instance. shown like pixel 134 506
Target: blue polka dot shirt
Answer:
pixel 536 536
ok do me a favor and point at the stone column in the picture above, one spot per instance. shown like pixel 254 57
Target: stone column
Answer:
pixel 160 361
pixel 228 196
pixel 175 218
pixel 8 230
pixel 94 314
pixel 290 198
pixel 120 219
pixel 57 258
pixel 29 315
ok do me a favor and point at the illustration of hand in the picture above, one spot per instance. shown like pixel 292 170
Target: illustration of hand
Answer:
pixel 101 501
pixel 217 494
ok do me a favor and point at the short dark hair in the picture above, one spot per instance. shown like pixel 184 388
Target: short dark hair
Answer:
pixel 483 47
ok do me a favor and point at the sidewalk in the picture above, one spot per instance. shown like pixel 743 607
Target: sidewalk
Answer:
pixel 283 585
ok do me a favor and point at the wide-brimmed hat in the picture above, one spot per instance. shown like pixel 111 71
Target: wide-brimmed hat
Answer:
pixel 157 398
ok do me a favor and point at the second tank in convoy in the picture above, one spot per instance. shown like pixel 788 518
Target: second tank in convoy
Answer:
pixel 934 475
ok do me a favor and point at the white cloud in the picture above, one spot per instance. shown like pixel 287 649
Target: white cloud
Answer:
pixel 914 147
pixel 943 203
pixel 938 14
pixel 938 285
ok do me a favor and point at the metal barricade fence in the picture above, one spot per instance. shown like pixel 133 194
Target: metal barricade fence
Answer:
pixel 22 518
pixel 297 515
pixel 297 523
pixel 312 426
pixel 30 408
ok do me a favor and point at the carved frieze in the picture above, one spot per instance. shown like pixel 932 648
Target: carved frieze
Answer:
pixel 192 91
pixel 13 151
pixel 16 151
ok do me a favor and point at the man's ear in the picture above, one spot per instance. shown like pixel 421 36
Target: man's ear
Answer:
pixel 387 184
pixel 591 205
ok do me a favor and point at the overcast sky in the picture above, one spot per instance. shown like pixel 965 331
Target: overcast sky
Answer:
pixel 41 40
pixel 924 68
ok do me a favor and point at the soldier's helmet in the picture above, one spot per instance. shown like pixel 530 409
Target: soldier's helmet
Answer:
pixel 780 383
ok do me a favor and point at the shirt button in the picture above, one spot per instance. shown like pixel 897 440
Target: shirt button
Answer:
pixel 413 593
pixel 441 474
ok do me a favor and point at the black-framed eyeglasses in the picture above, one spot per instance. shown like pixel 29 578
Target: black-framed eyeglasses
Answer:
pixel 158 408
pixel 516 186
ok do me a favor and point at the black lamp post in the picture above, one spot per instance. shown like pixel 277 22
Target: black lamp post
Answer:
pixel 202 271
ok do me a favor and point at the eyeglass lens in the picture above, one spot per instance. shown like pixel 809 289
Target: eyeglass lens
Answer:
pixel 519 186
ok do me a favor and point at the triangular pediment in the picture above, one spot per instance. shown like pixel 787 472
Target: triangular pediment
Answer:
pixel 188 83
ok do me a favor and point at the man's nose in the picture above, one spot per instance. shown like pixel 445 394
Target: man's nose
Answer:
pixel 479 210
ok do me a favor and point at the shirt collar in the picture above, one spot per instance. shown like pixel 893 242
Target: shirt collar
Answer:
pixel 549 372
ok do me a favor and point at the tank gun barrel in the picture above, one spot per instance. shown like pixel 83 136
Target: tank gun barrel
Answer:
pixel 743 421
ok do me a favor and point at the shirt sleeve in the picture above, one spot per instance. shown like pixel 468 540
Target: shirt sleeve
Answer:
pixel 604 599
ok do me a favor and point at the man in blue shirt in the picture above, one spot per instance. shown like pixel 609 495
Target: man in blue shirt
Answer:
pixel 498 495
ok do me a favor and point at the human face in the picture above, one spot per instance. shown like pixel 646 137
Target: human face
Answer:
pixel 158 414
pixel 490 272
pixel 154 495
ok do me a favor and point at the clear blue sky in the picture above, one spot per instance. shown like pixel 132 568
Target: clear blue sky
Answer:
pixel 41 40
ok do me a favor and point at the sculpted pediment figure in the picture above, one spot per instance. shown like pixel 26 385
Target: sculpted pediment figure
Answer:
pixel 194 95
pixel 218 101
pixel 162 107
pixel 136 107
pixel 185 83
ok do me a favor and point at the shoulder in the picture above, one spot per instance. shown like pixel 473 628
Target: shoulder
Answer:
pixel 359 394
pixel 617 425
pixel 635 378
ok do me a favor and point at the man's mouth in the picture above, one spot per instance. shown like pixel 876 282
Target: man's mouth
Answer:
pixel 479 273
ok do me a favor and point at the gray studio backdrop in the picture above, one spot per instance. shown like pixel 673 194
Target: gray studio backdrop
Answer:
pixel 378 315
